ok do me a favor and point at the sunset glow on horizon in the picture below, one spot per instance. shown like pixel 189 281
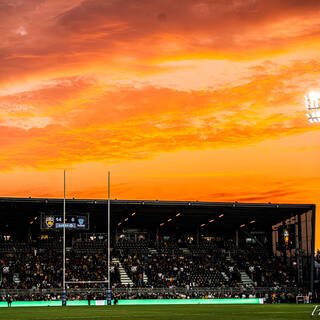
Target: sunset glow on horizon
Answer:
pixel 180 100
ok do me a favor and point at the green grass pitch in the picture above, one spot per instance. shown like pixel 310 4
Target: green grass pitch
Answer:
pixel 165 312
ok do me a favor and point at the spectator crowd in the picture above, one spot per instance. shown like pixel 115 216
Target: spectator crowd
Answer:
pixel 165 265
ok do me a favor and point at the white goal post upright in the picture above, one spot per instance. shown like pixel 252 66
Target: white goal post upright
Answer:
pixel 64 293
pixel 109 293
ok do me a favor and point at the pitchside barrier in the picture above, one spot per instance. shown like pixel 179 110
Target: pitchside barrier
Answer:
pixel 57 303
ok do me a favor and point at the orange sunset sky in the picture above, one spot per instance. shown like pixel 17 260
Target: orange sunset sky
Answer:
pixel 180 100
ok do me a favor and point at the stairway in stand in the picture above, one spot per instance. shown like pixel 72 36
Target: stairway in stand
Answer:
pixel 124 278
pixel 245 279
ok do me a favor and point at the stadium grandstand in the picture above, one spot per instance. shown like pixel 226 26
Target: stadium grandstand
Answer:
pixel 159 249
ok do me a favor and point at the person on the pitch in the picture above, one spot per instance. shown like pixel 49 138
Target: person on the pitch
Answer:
pixel 9 300
pixel 115 299
pixel 89 297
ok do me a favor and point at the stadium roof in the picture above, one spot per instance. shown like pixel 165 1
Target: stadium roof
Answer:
pixel 167 215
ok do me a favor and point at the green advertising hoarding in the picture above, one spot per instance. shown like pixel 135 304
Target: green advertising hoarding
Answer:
pixel 131 302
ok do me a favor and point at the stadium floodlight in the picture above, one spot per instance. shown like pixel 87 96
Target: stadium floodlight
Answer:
pixel 313 107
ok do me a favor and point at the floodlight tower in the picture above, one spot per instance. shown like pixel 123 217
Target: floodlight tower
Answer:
pixel 312 104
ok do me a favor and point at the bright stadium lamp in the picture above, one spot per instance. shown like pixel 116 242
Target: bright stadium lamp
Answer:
pixel 312 105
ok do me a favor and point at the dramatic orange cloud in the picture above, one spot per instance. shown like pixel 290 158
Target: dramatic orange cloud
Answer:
pixel 181 100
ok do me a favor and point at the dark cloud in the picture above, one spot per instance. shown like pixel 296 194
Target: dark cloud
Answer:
pixel 219 19
pixel 61 38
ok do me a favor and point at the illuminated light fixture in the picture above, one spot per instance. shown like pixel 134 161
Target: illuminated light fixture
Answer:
pixel 169 220
pixel 120 223
pixel 178 214
pixel 312 105
pixel 253 221
pixel 31 222
pixel 243 225
pixel 126 219
pixel 35 218
pixel 161 224
pixel 203 225
pixel 221 215
pixel 211 220
pixel 133 213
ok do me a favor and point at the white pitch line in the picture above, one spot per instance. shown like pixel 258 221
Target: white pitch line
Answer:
pixel 273 312
pixel 87 317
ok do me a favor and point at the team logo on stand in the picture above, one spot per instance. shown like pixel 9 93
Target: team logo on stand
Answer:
pixel 80 222
pixel 49 222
